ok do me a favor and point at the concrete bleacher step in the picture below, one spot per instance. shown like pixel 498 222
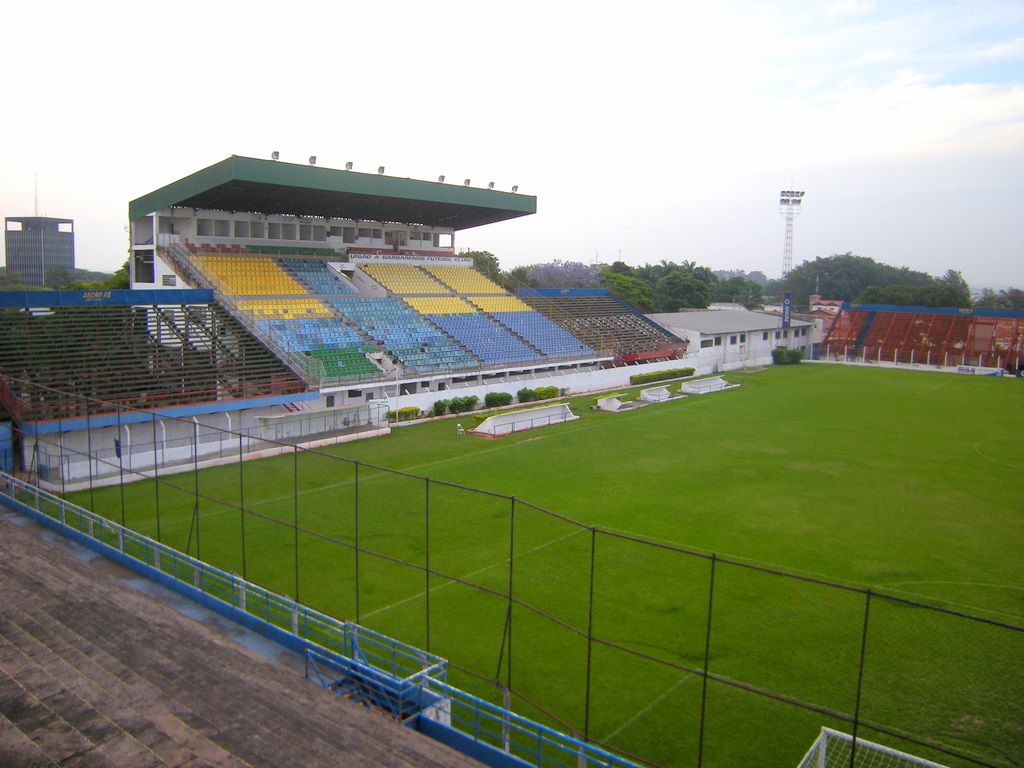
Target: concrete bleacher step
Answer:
pixel 126 700
pixel 160 670
pixel 91 676
pixel 53 726
pixel 17 749
pixel 155 681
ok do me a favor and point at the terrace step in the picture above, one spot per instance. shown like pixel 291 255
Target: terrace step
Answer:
pixel 94 673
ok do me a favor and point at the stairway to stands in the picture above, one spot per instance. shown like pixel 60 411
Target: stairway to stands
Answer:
pixel 865 329
pixel 96 674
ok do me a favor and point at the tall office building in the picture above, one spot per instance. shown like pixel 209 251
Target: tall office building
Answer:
pixel 33 244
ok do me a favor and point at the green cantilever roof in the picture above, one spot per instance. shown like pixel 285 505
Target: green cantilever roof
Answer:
pixel 273 187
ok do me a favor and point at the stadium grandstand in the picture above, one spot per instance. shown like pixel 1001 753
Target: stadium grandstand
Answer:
pixel 296 303
pixel 927 336
pixel 276 306
pixel 354 282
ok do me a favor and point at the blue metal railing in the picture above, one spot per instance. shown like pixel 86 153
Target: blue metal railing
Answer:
pixel 399 680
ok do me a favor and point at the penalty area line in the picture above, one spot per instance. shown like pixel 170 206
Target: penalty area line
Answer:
pixel 646 709
pixel 470 575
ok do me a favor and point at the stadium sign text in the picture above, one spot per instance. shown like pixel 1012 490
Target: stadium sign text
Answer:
pixel 417 259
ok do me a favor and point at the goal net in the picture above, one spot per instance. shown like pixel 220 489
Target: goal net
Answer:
pixel 833 749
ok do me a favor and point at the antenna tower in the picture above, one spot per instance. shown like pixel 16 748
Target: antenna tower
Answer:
pixel 789 207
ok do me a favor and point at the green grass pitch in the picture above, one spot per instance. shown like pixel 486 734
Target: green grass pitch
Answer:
pixel 907 483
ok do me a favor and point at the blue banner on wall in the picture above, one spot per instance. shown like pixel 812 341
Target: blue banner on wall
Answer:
pixel 104 296
pixel 787 309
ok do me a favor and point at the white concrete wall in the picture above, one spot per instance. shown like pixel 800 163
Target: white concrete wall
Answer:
pixel 579 383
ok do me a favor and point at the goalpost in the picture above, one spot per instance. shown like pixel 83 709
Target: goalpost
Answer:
pixel 834 749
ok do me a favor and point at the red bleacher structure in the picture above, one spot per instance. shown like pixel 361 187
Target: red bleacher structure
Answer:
pixel 927 336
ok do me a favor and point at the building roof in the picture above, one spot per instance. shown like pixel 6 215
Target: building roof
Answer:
pixel 711 322
pixel 38 222
pixel 273 187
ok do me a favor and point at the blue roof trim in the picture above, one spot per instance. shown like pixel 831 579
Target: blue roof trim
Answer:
pixel 968 312
pixel 138 417
pixel 104 297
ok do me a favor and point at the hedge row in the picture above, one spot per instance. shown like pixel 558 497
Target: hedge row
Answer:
pixel 497 399
pixel 787 356
pixel 455 405
pixel 676 373
pixel 404 414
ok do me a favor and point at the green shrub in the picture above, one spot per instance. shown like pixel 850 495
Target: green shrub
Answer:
pixel 440 407
pixel 462 404
pixel 675 373
pixel 546 393
pixel 497 399
pixel 407 414
pixel 787 356
pixel 526 395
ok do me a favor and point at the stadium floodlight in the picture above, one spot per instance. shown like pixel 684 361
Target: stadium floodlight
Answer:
pixel 789 207
pixel 348 166
pixel 312 159
pixel 380 169
pixel 441 178
pixel 275 155
pixel 466 183
pixel 490 185
pixel 515 187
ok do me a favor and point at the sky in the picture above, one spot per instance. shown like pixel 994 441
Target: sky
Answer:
pixel 647 131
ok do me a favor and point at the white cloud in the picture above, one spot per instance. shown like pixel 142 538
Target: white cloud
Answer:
pixel 663 136
pixel 857 7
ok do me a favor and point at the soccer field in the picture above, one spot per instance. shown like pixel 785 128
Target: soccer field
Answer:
pixel 904 483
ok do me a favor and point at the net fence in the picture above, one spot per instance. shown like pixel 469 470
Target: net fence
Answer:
pixel 672 656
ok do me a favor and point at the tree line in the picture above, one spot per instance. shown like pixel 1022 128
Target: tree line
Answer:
pixel 670 287
pixel 60 278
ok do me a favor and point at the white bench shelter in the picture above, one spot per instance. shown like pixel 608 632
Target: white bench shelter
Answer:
pixel 516 421
pixel 655 395
pixel 703 386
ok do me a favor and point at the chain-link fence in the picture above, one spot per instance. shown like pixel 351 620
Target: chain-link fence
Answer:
pixel 673 657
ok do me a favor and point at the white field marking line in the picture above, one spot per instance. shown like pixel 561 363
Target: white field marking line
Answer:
pixel 645 710
pixel 957 584
pixel 477 572
pixel 385 470
pixel 343 483
pixel 977 449
pixel 831 579
pixel 416 467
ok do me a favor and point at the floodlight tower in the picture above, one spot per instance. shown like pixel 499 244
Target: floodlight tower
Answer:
pixel 789 206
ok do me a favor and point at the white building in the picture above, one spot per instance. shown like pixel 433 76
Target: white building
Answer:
pixel 728 339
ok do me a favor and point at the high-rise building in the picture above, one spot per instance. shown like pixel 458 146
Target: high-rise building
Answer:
pixel 34 244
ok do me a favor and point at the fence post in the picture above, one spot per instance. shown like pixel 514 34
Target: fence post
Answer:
pixel 707 657
pixel 119 450
pixel 355 489
pixel 511 560
pixel 426 562
pixel 506 726
pixel 88 450
pixel 156 479
pixel 60 445
pixel 241 508
pixel 295 523
pixel 195 484
pixel 590 634
pixel 860 675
